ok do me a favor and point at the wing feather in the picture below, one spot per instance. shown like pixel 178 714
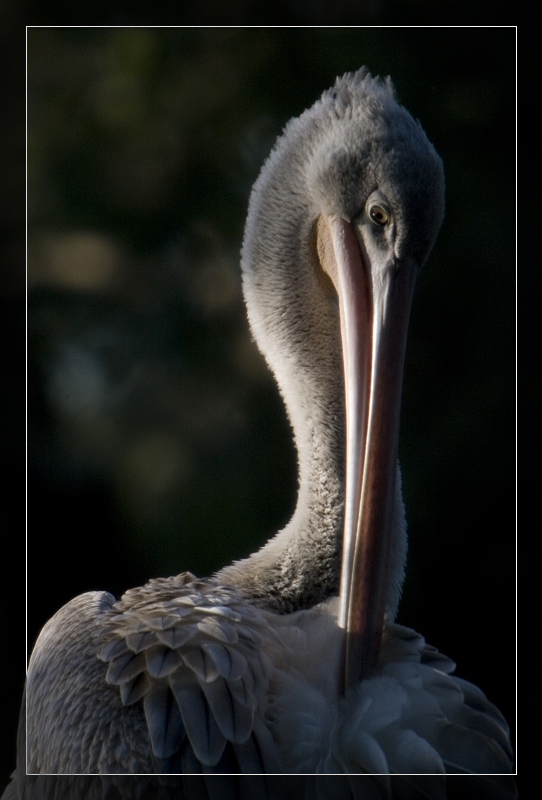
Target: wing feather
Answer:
pixel 231 664
pixel 201 664
pixel 164 720
pixel 161 661
pixel 125 668
pixel 201 727
pixel 233 717
pixel 133 690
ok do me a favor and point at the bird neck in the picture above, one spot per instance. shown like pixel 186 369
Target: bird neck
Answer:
pixel 300 566
pixel 294 319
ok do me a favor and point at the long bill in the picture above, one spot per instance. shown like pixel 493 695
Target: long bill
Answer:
pixel 374 296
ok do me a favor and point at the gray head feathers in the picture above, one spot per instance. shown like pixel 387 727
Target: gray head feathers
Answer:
pixel 355 139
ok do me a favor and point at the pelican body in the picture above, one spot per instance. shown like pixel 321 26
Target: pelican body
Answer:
pixel 290 661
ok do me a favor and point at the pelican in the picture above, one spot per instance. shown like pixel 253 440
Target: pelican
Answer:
pixel 290 661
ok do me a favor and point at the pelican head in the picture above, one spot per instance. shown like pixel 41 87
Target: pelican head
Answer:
pixel 342 217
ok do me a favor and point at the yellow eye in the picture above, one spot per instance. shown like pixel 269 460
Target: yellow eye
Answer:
pixel 378 215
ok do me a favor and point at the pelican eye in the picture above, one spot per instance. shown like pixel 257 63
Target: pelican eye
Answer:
pixel 378 214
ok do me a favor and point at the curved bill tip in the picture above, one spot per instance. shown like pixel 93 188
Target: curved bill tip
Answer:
pixel 374 304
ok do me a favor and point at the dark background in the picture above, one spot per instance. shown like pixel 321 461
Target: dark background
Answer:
pixel 156 438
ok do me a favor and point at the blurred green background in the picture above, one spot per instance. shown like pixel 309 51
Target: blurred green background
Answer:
pixel 157 439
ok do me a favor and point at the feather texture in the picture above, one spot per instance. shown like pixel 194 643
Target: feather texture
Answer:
pixel 413 715
pixel 193 652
